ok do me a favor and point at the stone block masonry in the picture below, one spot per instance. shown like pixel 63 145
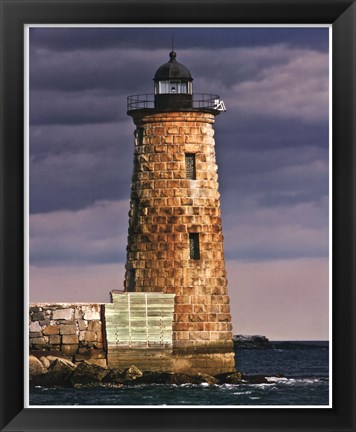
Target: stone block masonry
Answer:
pixel 175 242
pixel 71 330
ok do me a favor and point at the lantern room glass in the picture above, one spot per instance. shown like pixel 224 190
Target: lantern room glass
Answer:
pixel 173 87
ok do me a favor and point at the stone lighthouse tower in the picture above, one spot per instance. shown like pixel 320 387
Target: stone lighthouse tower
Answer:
pixel 175 241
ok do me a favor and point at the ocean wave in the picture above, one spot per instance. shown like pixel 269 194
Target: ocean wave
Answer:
pixel 263 385
pixel 294 381
pixel 276 379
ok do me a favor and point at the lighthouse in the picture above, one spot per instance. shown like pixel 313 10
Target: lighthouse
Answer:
pixel 175 240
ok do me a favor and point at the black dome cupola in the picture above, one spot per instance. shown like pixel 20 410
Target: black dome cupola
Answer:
pixel 173 70
pixel 173 85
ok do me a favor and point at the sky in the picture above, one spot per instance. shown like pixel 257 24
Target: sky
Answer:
pixel 272 150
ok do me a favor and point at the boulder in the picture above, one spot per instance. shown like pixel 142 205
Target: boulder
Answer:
pixel 240 378
pixel 87 373
pixel 57 374
pixel 53 358
pixel 203 378
pixel 132 373
pixel 256 379
pixel 235 378
pixel 61 364
pixel 66 362
pixel 35 367
pixel 100 362
pixel 46 363
pixel 115 376
pixel 230 378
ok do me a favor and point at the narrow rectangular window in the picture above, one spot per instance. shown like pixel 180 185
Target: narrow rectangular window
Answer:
pixel 134 213
pixel 190 166
pixel 194 249
pixel 130 281
pixel 139 136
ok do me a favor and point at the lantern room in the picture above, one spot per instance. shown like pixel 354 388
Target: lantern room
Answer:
pixel 173 85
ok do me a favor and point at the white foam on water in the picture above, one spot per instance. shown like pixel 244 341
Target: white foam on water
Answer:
pixel 276 379
pixel 263 385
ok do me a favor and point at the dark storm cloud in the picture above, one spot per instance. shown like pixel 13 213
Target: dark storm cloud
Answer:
pixel 277 233
pixel 272 181
pixel 74 70
pixel 47 107
pixel 63 39
pixel 115 139
pixel 74 181
pixel 118 68
pixel 76 236
pixel 237 130
pixel 281 198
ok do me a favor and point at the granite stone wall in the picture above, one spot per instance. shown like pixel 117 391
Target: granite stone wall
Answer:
pixel 70 330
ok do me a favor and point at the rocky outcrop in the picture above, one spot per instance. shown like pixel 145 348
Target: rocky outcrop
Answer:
pixel 87 373
pixel 56 375
pixel 132 373
pixel 240 378
pixel 64 373
pixel 174 378
pixel 35 367
pixel 114 376
pixel 252 342
pixel 230 378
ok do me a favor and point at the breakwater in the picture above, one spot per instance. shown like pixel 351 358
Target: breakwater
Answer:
pixel 69 330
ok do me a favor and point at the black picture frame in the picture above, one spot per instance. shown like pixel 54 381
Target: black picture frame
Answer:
pixel 14 14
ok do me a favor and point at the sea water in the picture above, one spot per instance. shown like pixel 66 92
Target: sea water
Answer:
pixel 305 382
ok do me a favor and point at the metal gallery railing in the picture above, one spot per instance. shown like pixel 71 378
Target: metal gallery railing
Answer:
pixel 147 100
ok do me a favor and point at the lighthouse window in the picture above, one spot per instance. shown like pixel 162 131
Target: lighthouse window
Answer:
pixel 194 249
pixel 130 280
pixel 173 87
pixel 134 213
pixel 139 136
pixel 190 166
pixel 164 86
pixel 183 87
